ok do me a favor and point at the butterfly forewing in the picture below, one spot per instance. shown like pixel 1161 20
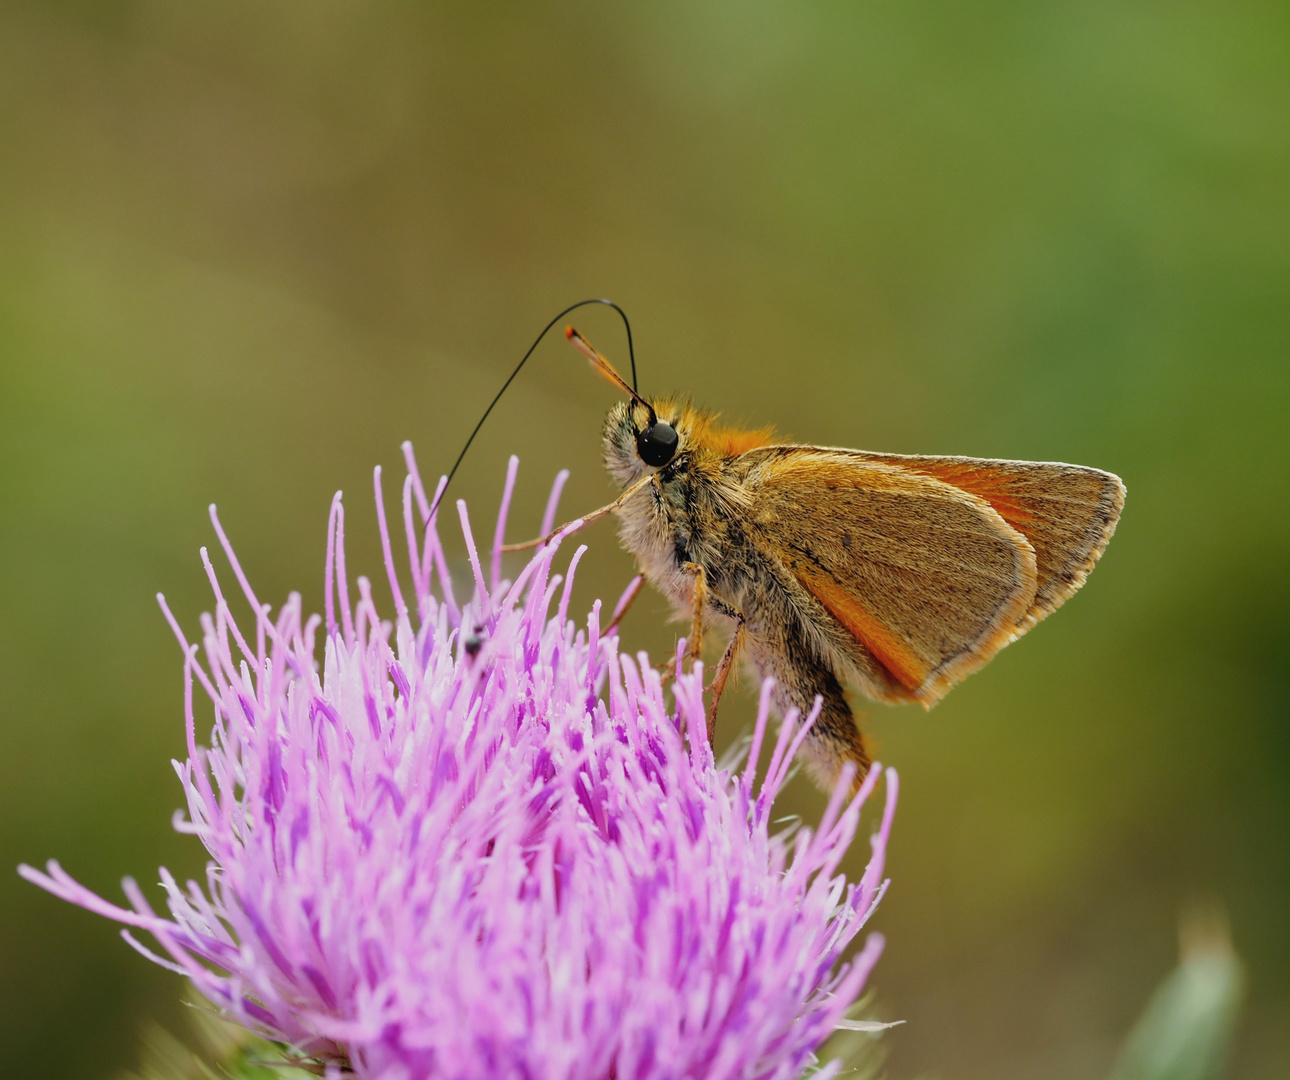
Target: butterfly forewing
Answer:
pixel 927 579
pixel 1067 512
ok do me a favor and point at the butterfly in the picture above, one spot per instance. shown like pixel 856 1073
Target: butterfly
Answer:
pixel 899 573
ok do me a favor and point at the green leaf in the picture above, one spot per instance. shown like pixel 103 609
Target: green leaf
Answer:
pixel 1184 1032
pixel 216 1049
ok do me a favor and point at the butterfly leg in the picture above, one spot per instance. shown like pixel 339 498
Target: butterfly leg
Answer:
pixel 630 593
pixel 666 671
pixel 701 598
pixel 586 519
pixel 694 644
pixel 723 673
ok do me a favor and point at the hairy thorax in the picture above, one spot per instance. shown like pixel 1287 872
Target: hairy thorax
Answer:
pixel 686 516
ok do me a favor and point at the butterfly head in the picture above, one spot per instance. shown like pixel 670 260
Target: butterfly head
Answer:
pixel 640 438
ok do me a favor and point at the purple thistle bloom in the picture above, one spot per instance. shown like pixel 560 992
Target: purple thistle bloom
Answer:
pixel 444 855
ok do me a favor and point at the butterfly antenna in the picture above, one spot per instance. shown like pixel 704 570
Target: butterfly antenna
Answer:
pixel 631 352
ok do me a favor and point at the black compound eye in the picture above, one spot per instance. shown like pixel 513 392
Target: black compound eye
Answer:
pixel 657 443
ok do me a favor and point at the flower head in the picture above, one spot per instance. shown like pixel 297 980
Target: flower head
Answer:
pixel 482 845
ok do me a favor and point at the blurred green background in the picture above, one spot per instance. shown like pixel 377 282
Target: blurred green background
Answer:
pixel 246 248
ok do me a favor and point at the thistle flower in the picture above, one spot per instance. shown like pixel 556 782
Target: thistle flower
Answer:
pixel 484 846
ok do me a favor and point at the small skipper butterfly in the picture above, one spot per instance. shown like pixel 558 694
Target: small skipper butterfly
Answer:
pixel 899 573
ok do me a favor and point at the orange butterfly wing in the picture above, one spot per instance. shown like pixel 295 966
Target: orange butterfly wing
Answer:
pixel 927 566
pixel 1067 512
